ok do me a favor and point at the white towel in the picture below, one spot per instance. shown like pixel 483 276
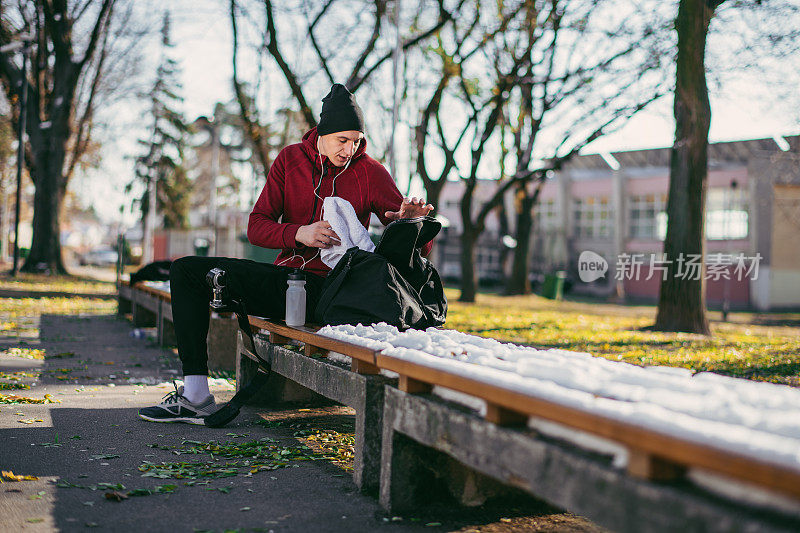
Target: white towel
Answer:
pixel 341 215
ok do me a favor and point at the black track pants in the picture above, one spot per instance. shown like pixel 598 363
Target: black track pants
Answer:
pixel 262 286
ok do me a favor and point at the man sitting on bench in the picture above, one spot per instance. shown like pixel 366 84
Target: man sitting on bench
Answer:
pixel 330 161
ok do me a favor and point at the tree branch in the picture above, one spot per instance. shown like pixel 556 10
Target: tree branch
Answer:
pixel 444 17
pixel 78 10
pixel 322 60
pixel 380 11
pixel 290 76
pixel 252 129
pixel 84 130
pixel 100 27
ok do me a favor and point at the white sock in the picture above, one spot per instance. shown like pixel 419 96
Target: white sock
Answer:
pixel 195 388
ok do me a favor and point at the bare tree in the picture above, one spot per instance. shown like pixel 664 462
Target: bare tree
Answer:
pixel 608 89
pixel 63 88
pixel 354 65
pixel 565 76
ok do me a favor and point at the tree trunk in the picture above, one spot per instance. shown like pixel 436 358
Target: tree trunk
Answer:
pixel 45 253
pixel 682 305
pixel 469 274
pixel 433 190
pixel 519 282
pixel 505 229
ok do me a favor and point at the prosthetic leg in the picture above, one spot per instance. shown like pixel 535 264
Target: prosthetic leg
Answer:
pixel 223 302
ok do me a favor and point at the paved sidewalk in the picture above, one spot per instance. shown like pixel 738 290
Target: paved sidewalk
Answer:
pixel 91 444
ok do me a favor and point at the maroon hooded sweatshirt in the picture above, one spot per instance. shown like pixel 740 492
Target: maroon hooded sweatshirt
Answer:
pixel 288 200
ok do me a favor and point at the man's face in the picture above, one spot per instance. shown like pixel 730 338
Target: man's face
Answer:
pixel 339 147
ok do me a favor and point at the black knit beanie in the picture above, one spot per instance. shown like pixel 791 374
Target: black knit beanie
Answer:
pixel 340 112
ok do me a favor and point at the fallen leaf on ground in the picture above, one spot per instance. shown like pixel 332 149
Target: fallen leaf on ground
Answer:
pixel 8 475
pixel 12 399
pixel 115 496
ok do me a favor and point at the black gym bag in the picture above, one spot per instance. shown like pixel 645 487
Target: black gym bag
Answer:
pixel 393 284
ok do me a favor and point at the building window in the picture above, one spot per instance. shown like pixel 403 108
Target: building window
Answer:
pixel 592 217
pixel 727 214
pixel 546 216
pixel 452 204
pixel 647 217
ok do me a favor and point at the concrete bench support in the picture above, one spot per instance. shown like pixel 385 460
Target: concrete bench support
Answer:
pixel 223 330
pixel 124 300
pixel 166 330
pixel 363 392
pixel 145 310
pixel 582 482
pixel 278 389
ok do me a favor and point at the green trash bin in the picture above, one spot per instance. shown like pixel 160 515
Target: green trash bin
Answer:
pixel 201 246
pixel 553 286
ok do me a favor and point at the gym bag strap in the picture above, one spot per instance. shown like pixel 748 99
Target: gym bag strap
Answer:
pixel 231 409
pixel 337 276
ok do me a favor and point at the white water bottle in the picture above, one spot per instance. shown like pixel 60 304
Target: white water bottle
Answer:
pixel 296 299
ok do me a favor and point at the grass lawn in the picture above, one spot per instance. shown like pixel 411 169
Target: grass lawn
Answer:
pixel 743 347
pixel 19 315
pixel 66 284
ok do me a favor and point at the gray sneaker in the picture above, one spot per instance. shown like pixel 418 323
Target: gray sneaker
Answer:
pixel 176 408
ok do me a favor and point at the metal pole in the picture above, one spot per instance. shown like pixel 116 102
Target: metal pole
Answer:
pixel 120 255
pixel 214 173
pixel 726 285
pixel 23 101
pixel 149 240
pixel 395 83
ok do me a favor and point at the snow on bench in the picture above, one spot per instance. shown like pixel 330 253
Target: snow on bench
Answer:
pixel 667 418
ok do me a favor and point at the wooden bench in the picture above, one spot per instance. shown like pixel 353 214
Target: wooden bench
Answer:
pixel 403 431
pixel 652 493
pixel 148 307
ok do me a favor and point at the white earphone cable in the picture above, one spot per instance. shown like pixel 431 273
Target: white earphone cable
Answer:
pixel 316 193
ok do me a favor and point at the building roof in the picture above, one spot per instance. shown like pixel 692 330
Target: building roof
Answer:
pixel 721 152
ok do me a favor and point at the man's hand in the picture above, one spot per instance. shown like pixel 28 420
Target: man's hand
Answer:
pixel 410 208
pixel 317 235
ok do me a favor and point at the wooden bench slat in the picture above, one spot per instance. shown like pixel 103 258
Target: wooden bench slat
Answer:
pixel 158 293
pixel 647 466
pixel 309 335
pixel 362 367
pixel 504 417
pixel 413 386
pixel 309 349
pixel 667 447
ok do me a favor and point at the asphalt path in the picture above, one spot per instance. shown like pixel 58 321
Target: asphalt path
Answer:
pixel 89 450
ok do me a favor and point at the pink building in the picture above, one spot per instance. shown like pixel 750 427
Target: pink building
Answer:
pixel 614 204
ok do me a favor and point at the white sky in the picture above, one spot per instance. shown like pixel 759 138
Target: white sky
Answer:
pixel 201 31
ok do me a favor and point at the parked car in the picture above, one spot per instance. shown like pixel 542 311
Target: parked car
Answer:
pixel 103 257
